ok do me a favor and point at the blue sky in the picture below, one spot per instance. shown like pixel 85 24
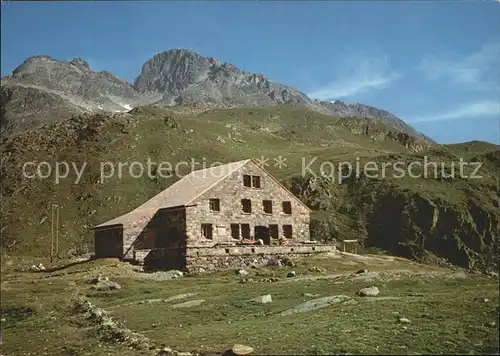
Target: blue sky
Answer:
pixel 434 64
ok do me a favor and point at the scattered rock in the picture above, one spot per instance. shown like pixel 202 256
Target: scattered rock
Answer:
pixel 316 304
pixel 242 272
pixel 3 320
pixel 220 139
pixel 106 285
pixel 317 269
pixel 246 280
pixel 291 274
pixel 287 262
pixel 369 292
pixel 491 324
pixel 350 302
pixel 184 354
pixel 275 262
pixel 493 274
pixel 241 350
pixel 404 321
pixel 361 271
pixel 37 268
pixel 97 280
pixel 266 298
pixel 109 329
pixel 165 351
pixel 191 303
pixel 270 279
pixel 416 294
pixel 162 275
pixel 310 295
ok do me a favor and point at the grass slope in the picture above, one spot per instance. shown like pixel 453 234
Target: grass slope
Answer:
pixel 40 305
pixel 224 135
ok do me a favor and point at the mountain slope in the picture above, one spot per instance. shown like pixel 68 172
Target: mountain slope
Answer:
pixel 172 78
pixel 453 219
pixel 43 89
pixel 185 77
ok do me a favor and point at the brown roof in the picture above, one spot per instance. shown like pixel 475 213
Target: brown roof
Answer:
pixel 181 193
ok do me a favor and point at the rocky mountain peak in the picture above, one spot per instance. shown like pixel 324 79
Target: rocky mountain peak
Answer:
pixel 80 63
pixel 175 77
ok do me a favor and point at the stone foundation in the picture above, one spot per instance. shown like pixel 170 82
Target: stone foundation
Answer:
pixel 200 259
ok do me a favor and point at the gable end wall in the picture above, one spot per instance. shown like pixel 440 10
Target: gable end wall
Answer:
pixel 230 191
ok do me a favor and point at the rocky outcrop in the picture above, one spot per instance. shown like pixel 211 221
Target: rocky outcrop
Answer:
pixel 413 226
pixel 43 89
pixel 378 130
pixel 454 221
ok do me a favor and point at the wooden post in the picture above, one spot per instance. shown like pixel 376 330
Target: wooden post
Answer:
pixel 57 231
pixel 51 232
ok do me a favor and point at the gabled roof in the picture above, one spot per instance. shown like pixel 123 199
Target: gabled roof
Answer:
pixel 181 193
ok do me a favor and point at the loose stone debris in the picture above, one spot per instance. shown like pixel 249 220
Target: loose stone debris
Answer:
pixel 369 292
pixel 241 350
pixel 103 284
pixel 316 304
pixel 37 268
pixel 263 299
pixel 188 304
pixel 242 272
pixel 361 271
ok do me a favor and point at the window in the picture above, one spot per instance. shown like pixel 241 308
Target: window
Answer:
pixel 207 231
pixel 214 204
pixel 251 181
pixel 273 231
pixel 256 181
pixel 235 231
pixel 287 231
pixel 267 206
pixel 246 205
pixel 245 231
pixel 287 207
pixel 247 180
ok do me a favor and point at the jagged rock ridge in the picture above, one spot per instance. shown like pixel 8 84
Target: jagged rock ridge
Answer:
pixel 44 89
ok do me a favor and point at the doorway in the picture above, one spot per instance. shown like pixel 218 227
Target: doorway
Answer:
pixel 262 232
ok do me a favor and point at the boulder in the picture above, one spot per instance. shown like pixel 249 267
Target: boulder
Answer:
pixel 106 285
pixel 266 298
pixel 240 350
pixel 369 292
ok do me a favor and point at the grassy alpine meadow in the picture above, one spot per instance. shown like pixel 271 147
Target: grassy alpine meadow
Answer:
pixel 419 309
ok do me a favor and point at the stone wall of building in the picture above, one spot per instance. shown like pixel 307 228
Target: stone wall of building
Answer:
pixel 165 258
pixel 215 258
pixel 166 229
pixel 230 192
pixel 197 259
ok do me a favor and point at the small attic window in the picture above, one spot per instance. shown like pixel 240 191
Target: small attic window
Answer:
pixel 214 205
pixel 247 180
